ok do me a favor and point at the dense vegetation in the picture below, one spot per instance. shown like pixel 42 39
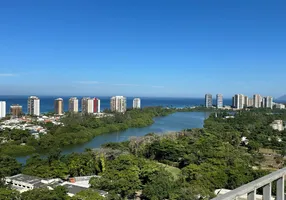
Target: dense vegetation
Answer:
pixel 77 129
pixel 186 165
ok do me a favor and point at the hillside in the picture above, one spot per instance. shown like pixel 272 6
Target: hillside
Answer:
pixel 282 98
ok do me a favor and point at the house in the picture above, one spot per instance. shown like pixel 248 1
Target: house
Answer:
pixel 277 125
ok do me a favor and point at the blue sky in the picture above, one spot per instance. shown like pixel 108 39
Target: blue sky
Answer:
pixel 183 48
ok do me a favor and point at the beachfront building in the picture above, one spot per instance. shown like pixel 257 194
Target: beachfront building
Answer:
pixel 34 106
pixel 208 100
pixel 118 104
pixel 59 106
pixel 136 103
pixel 16 110
pixel 219 101
pixel 2 109
pixel 96 105
pixel 87 105
pixel 73 104
pixel 257 101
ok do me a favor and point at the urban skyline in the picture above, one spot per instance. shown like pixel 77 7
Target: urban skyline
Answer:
pixel 88 105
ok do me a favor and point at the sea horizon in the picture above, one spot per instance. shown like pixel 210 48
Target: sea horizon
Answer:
pixel 47 102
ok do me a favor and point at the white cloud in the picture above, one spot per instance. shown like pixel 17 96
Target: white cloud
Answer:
pixel 8 75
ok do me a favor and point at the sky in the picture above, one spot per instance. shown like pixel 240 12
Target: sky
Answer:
pixel 161 48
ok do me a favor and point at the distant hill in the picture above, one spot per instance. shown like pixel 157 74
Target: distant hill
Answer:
pixel 282 98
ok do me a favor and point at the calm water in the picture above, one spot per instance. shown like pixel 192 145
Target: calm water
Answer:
pixel 175 122
pixel 47 102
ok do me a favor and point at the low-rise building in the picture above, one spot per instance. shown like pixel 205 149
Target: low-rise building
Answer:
pixel 280 106
pixel 277 125
pixel 22 183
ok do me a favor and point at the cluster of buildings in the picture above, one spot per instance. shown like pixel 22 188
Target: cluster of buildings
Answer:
pixel 33 125
pixel 22 183
pixel 88 106
pixel 240 101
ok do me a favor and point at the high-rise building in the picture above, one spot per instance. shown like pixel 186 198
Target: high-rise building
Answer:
pixel 118 104
pixel 268 102
pixel 246 100
pixel 87 105
pixel 16 110
pixel 239 101
pixel 96 105
pixel 2 109
pixel 136 103
pixel 34 106
pixel 233 102
pixel 73 104
pixel 59 106
pixel 250 102
pixel 219 100
pixel 208 100
pixel 257 101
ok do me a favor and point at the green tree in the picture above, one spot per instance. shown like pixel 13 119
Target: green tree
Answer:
pixel 9 166
pixel 9 194
pixel 88 194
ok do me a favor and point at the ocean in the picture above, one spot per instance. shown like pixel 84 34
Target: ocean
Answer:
pixel 47 102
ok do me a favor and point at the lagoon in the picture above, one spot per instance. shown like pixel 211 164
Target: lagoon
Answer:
pixel 174 122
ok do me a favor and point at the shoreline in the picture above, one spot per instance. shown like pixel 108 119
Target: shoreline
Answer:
pixel 96 142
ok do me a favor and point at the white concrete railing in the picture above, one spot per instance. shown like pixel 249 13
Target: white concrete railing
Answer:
pixel 264 182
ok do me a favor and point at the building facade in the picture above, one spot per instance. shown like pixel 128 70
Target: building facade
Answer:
pixel 208 101
pixel 280 106
pixel 59 106
pixel 34 106
pixel 257 101
pixel 2 109
pixel 250 102
pixel 219 101
pixel 16 110
pixel 268 102
pixel 73 104
pixel 246 101
pixel 238 101
pixel 136 103
pixel 96 105
pixel 87 105
pixel 118 104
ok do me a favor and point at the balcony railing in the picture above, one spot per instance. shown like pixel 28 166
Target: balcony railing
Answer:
pixel 264 182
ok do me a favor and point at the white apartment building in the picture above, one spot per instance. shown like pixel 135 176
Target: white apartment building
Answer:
pixel 73 104
pixel 2 109
pixel 250 102
pixel 219 100
pixel 118 104
pixel 238 101
pixel 136 103
pixel 280 106
pixel 257 101
pixel 268 102
pixel 208 101
pixel 87 105
pixel 34 106
pixel 246 101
